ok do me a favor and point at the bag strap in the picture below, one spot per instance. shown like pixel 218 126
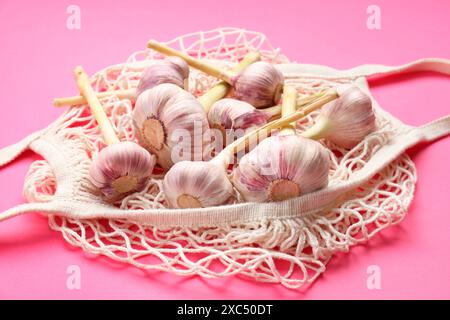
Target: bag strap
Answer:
pixel 26 208
pixel 427 64
pixel 10 153
pixel 436 129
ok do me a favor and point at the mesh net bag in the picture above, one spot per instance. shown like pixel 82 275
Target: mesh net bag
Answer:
pixel 370 189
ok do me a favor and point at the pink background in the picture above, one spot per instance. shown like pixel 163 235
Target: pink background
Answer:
pixel 38 52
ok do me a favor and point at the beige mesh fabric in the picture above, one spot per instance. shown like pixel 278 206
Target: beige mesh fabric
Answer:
pixel 290 242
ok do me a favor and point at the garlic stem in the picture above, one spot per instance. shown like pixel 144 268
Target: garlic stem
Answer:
pixel 275 111
pixel 201 65
pixel 96 108
pixel 80 100
pixel 220 90
pixel 263 131
pixel 288 107
pixel 318 130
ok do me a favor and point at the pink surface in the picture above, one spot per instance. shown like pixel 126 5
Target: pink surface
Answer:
pixel 38 52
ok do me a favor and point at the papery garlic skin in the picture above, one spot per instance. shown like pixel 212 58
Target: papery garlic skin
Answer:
pixel 235 114
pixel 165 112
pixel 171 70
pixel 298 164
pixel 121 168
pixel 260 84
pixel 196 184
pixel 345 121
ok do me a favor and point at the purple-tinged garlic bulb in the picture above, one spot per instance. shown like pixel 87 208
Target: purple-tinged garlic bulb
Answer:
pixel 172 70
pixel 234 114
pixel 121 168
pixel 346 120
pixel 282 167
pixel 260 84
pixel 166 114
pixel 196 184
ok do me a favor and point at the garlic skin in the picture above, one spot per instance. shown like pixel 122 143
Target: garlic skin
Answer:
pixel 164 112
pixel 234 114
pixel 346 120
pixel 196 184
pixel 282 167
pixel 121 168
pixel 171 70
pixel 260 84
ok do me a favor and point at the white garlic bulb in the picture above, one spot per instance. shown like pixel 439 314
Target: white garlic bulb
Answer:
pixel 121 168
pixel 165 114
pixel 234 114
pixel 260 84
pixel 196 184
pixel 171 70
pixel 346 120
pixel 283 166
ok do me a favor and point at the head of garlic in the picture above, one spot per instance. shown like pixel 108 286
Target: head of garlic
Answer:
pixel 196 184
pixel 346 120
pixel 121 168
pixel 171 70
pixel 232 114
pixel 260 84
pixel 171 124
pixel 282 167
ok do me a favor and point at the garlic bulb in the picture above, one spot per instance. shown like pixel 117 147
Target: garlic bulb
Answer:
pixel 260 84
pixel 172 70
pixel 166 114
pixel 195 184
pixel 121 168
pixel 346 120
pixel 234 114
pixel 283 166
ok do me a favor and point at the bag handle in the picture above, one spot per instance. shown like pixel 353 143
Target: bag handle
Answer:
pixel 26 208
pixel 438 65
pixel 10 153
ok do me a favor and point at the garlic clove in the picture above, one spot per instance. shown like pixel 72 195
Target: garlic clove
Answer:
pixel 121 168
pixel 282 167
pixel 195 184
pixel 260 84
